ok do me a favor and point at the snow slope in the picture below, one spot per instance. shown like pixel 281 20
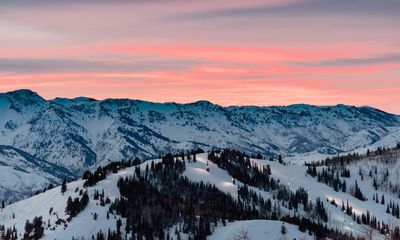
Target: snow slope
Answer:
pixel 293 175
pixel 83 225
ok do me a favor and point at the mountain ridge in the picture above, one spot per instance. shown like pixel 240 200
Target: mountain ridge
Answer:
pixel 83 133
pixel 22 92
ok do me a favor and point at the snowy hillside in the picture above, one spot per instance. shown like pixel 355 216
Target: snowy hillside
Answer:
pixel 51 206
pixel 83 133
pixel 96 217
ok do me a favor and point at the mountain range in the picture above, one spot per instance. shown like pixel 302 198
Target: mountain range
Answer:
pixel 44 141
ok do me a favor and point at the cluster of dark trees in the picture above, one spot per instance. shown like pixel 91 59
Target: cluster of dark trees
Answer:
pixel 110 235
pixel 393 209
pixel 386 156
pixel 353 157
pixel 240 167
pixel 74 207
pixel 101 172
pixel 34 230
pixel 50 186
pixel 8 233
pixel 380 180
pixel 160 198
pixel 370 220
pixel 100 196
pixel 330 176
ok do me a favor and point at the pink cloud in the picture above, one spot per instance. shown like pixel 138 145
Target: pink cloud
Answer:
pixel 242 59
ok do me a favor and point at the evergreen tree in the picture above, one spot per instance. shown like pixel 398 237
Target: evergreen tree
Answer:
pixel 28 229
pixel 358 194
pixel 283 229
pixel 38 228
pixel 64 186
pixel 280 160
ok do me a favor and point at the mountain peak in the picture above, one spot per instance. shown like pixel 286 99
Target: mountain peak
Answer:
pixel 25 95
pixel 22 91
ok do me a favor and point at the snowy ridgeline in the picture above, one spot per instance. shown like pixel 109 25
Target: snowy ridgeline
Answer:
pixel 96 217
pixel 83 133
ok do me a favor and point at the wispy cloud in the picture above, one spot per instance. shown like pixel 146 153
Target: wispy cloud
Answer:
pixel 370 8
pixel 82 66
pixel 350 62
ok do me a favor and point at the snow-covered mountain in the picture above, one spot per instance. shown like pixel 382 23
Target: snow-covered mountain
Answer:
pixel 83 133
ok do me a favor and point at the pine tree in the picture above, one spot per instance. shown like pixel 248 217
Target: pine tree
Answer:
pixel 84 200
pixel 119 225
pixel 343 208
pixel 38 228
pixel 64 186
pixel 283 229
pixel 358 194
pixel 69 207
pixel 280 160
pixel 28 229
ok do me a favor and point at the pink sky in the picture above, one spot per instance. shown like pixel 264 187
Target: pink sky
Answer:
pixel 228 52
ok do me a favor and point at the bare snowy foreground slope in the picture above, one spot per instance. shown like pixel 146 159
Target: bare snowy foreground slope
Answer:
pixel 48 140
pixel 51 205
